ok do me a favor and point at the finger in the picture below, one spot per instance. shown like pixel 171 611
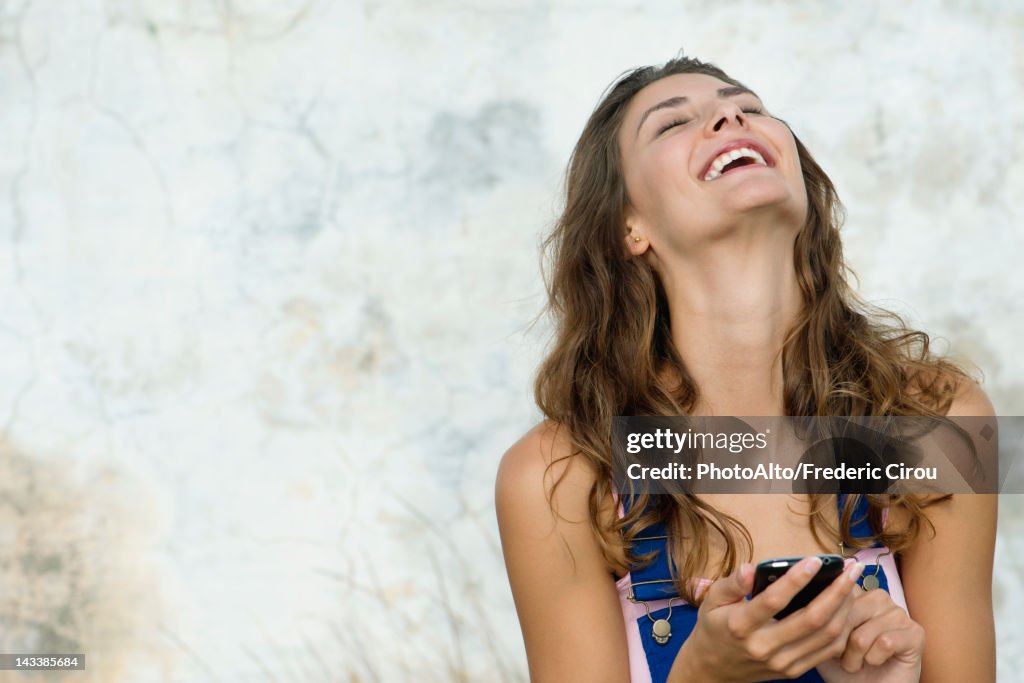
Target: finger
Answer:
pixel 816 657
pixel 869 604
pixel 815 615
pixel 765 605
pixel 906 642
pixel 863 638
pixel 731 588
pixel 818 633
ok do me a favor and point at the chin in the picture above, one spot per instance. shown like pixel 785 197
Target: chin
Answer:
pixel 760 197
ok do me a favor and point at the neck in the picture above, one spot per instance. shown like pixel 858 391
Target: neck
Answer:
pixel 731 307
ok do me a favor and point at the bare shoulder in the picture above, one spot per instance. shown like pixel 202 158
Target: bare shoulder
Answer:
pixel 542 485
pixel 545 445
pixel 541 457
pixel 971 400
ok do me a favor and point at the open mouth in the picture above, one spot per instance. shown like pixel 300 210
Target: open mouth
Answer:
pixel 742 161
pixel 734 159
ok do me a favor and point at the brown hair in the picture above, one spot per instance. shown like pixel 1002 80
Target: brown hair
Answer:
pixel 612 349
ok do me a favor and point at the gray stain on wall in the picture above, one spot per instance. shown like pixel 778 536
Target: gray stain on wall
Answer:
pixel 500 142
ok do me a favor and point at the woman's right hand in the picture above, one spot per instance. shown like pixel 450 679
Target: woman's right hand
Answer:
pixel 739 640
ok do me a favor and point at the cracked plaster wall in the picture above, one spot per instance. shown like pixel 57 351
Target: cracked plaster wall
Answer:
pixel 267 270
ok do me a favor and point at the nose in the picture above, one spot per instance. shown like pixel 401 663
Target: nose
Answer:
pixel 727 114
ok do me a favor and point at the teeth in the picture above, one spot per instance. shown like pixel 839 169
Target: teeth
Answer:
pixel 728 157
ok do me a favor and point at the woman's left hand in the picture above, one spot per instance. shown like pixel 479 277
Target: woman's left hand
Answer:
pixel 884 646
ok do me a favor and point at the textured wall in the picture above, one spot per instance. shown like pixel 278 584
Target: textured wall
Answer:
pixel 267 271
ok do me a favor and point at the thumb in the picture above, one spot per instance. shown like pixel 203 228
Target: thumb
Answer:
pixel 731 588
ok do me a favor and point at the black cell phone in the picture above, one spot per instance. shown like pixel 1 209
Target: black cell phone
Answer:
pixel 769 571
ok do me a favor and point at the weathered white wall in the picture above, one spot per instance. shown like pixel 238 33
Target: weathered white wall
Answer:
pixel 267 269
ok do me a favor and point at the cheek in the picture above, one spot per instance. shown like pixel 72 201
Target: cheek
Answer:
pixel 789 161
pixel 786 146
pixel 667 176
pixel 649 182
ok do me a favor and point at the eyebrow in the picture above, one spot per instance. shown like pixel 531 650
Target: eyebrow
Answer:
pixel 682 99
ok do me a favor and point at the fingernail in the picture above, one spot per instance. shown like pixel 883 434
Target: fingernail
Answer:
pixel 812 565
pixel 855 571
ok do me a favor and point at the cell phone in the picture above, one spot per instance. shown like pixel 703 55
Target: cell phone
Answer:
pixel 769 571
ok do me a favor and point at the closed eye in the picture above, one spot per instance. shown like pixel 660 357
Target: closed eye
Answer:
pixel 680 122
pixel 673 124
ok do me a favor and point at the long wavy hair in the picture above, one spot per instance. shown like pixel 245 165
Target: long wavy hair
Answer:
pixel 613 354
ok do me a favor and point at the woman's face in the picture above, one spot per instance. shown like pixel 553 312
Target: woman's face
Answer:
pixel 672 132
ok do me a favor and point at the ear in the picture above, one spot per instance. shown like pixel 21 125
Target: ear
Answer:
pixel 635 235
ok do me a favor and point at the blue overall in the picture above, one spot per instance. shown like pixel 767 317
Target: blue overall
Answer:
pixel 654 582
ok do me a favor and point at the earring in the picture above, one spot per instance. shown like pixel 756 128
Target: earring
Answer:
pixel 636 239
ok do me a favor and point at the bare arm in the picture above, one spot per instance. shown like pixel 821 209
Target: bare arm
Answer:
pixel 948 578
pixel 564 592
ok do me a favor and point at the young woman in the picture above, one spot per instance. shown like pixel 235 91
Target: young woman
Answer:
pixel 683 283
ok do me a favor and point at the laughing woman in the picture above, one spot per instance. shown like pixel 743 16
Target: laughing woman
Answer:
pixel 697 270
